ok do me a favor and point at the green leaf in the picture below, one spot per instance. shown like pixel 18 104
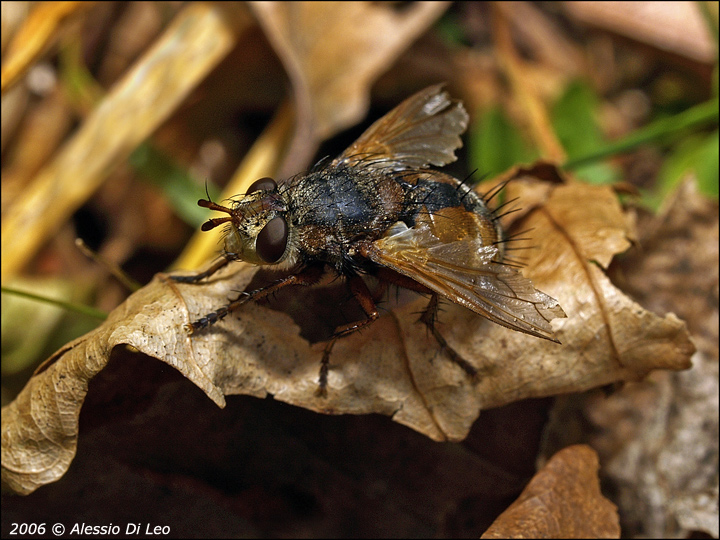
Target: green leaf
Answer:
pixel 660 130
pixel 708 168
pixel 696 154
pixel 573 118
pixel 496 144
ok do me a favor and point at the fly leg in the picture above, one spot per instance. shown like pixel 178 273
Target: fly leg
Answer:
pixel 308 276
pixel 362 294
pixel 224 261
pixel 428 318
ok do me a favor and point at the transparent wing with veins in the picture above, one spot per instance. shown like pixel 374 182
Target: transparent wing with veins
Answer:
pixel 464 272
pixel 423 130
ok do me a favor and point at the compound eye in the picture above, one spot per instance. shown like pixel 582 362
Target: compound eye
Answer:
pixel 272 240
pixel 263 184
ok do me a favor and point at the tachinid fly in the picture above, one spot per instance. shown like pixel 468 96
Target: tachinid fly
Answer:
pixel 378 210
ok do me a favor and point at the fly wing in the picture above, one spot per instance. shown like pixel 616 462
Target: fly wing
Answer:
pixel 423 130
pixel 464 272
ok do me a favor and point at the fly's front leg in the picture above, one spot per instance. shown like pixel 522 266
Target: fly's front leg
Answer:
pixel 361 292
pixel 224 261
pixel 428 318
pixel 307 276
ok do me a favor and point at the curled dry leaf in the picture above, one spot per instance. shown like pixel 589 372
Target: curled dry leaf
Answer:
pixel 563 500
pixel 658 440
pixel 393 367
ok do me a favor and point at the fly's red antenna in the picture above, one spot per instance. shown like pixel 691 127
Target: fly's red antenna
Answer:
pixel 212 223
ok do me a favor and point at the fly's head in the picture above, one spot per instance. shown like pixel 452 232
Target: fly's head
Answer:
pixel 257 231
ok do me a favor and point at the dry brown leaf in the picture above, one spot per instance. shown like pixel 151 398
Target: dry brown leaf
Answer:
pixel 676 268
pixel 393 367
pixel 658 439
pixel 333 52
pixel 563 500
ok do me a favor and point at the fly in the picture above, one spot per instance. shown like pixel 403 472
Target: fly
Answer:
pixel 379 210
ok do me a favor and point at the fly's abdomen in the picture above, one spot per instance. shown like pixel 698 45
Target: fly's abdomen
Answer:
pixel 453 210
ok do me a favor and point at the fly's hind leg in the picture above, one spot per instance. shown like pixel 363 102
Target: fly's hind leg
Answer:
pixel 428 318
pixel 362 294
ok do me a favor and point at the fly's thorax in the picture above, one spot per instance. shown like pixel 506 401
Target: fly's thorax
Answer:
pixel 355 199
pixel 336 206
